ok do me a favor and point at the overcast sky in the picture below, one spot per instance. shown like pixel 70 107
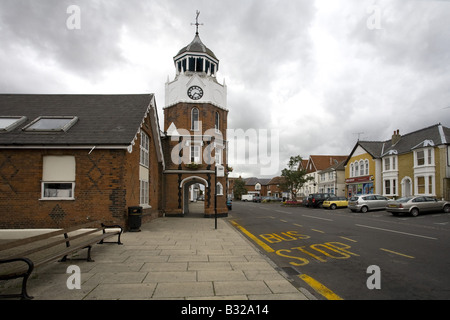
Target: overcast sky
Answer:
pixel 322 73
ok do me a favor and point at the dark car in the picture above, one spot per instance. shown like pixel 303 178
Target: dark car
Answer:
pixel 317 199
pixel 257 199
pixel 229 203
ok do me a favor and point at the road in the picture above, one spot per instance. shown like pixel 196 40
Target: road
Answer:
pixel 330 252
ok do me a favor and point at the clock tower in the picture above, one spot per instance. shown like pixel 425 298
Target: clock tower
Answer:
pixel 195 124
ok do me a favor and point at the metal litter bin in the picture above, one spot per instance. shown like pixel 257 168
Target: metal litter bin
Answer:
pixel 134 218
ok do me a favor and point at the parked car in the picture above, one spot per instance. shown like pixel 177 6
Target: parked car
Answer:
pixel 416 205
pixel 257 199
pixel 247 197
pixel 335 202
pixel 271 199
pixel 366 202
pixel 306 200
pixel 317 199
pixel 229 203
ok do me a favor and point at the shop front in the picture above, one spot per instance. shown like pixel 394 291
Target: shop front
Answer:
pixel 359 185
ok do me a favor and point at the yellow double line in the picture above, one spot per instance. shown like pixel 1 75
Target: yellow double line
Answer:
pixel 316 285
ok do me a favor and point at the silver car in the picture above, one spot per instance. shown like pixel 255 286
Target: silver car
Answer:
pixel 416 205
pixel 366 202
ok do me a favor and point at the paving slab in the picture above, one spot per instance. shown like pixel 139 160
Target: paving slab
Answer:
pixel 171 258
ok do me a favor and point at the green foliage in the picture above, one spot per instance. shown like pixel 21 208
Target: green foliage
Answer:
pixel 294 177
pixel 239 188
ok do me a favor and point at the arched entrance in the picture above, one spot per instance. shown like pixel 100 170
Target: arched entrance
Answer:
pixel 406 187
pixel 192 206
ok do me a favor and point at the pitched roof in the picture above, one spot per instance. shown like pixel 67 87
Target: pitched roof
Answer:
pixel 430 136
pixel 253 180
pixel 102 119
pixel 277 180
pixel 321 162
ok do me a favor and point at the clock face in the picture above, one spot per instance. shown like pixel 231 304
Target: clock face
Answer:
pixel 195 92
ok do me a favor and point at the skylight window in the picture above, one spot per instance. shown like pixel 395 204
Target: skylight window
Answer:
pixel 51 124
pixel 10 123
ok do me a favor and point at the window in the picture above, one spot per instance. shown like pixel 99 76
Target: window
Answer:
pixel 367 167
pixel 144 159
pixel 387 164
pixel 51 124
pixel 194 119
pixel 390 187
pixel 352 170
pixel 361 168
pixel 356 168
pixel 217 127
pixel 219 189
pixel 218 156
pixel 424 157
pixel 195 154
pixel 421 185
pixel 143 197
pixel 10 123
pixel 58 178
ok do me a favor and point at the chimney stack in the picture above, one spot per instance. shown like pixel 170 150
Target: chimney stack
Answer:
pixel 396 137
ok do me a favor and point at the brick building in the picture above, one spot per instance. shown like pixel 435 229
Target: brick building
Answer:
pixel 194 139
pixel 68 158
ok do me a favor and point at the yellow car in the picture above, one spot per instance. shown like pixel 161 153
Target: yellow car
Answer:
pixel 335 202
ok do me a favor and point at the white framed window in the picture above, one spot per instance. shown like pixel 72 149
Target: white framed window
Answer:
pixel 424 157
pixel 143 194
pixel 58 178
pixel 217 122
pixel 194 119
pixel 425 185
pixel 218 156
pixel 390 187
pixel 366 163
pixel 144 159
pixel 219 189
pixel 195 154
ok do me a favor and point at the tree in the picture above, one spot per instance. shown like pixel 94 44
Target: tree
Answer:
pixel 239 188
pixel 294 177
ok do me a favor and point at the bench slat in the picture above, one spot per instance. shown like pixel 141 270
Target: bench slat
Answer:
pixel 20 242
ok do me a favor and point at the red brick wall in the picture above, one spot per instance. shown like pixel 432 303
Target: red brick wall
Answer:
pixel 107 183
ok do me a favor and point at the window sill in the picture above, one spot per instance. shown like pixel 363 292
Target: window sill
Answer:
pixel 57 199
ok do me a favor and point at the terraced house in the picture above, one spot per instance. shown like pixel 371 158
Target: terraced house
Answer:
pixel 417 163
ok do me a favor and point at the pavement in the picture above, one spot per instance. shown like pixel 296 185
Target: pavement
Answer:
pixel 170 258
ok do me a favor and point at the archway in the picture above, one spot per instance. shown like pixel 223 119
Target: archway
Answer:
pixel 406 187
pixel 193 205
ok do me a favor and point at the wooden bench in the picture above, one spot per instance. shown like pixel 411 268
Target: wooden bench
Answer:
pixel 18 258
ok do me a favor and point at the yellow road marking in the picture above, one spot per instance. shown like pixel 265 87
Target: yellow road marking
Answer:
pixel 251 236
pixel 348 239
pixel 320 288
pixel 400 254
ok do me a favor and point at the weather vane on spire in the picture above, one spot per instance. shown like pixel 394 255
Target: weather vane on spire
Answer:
pixel 196 24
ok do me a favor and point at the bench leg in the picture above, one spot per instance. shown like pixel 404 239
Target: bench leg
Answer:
pixel 24 294
pixel 88 259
